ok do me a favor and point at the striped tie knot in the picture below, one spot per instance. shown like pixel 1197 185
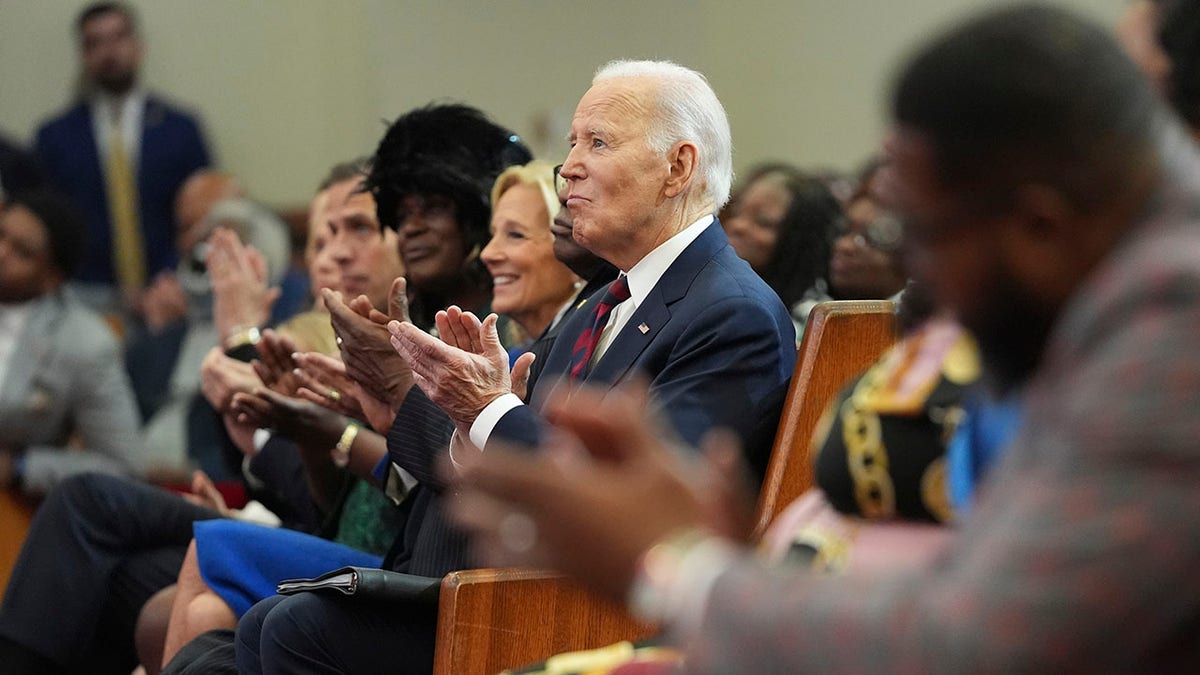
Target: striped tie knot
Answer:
pixel 585 345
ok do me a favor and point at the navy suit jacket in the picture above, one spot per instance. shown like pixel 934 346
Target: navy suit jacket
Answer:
pixel 172 148
pixel 715 342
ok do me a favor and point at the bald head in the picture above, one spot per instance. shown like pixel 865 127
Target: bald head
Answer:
pixel 196 197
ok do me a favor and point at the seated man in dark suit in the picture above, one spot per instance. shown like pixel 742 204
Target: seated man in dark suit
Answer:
pixel 716 341
pixel 686 312
pixel 1058 217
pixel 121 154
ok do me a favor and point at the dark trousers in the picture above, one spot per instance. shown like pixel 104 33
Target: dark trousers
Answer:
pixel 319 633
pixel 97 549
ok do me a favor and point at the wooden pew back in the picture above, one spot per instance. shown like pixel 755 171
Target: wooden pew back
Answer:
pixel 492 619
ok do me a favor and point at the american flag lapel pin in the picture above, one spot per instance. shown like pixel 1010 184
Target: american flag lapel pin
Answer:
pixel 643 328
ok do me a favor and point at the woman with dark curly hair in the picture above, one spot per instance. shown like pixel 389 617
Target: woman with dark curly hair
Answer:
pixel 432 176
pixel 783 223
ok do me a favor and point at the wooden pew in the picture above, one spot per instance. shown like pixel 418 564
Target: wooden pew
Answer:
pixel 16 512
pixel 492 619
pixel 840 341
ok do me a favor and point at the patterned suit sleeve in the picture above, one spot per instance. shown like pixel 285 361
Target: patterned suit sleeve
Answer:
pixel 420 434
pixel 1082 555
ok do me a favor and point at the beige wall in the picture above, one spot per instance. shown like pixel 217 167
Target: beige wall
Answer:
pixel 286 87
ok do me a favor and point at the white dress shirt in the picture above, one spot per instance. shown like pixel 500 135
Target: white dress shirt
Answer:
pixel 124 113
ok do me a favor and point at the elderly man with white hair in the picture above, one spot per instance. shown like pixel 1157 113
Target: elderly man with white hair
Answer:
pixel 649 166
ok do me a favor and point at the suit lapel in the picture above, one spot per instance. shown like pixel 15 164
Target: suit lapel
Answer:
pixel 655 311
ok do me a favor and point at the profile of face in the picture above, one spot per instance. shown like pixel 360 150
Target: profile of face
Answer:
pixel 578 259
pixel 753 218
pixel 431 240
pixel 367 256
pixel 961 255
pixel 865 264
pixel 615 180
pixel 26 267
pixel 111 52
pixel 1137 32
pixel 529 284
pixel 323 270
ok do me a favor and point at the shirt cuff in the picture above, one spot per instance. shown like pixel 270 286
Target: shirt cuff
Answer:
pixel 481 428
pixel 675 579
pixel 260 438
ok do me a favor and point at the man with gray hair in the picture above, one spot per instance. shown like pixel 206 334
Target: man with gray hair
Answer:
pixel 649 167
pixel 650 164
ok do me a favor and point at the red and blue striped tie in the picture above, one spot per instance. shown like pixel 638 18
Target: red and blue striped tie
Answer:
pixel 585 345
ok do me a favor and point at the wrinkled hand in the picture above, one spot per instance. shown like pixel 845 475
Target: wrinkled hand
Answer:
pixel 275 365
pixel 463 371
pixel 308 425
pixel 321 375
pixel 164 302
pixel 605 488
pixel 221 377
pixel 205 493
pixel 366 345
pixel 238 272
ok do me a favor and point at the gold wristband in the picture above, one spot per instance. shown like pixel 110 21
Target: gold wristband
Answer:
pixel 244 336
pixel 341 452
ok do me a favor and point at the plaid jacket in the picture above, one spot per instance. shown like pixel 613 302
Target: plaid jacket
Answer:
pixel 1084 553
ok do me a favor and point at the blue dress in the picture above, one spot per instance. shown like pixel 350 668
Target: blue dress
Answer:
pixel 243 562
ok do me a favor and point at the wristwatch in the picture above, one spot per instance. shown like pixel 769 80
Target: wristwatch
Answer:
pixel 340 454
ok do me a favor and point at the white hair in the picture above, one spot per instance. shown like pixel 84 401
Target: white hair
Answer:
pixel 688 111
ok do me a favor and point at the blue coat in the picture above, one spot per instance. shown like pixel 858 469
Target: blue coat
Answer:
pixel 718 349
pixel 172 148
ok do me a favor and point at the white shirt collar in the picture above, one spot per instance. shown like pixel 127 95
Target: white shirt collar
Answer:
pixel 130 111
pixel 644 275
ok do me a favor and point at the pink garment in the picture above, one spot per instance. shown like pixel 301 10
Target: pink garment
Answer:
pixel 852 545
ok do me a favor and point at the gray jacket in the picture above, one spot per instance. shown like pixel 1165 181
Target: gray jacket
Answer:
pixel 66 376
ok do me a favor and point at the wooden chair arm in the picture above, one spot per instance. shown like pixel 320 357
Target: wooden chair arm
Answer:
pixel 492 619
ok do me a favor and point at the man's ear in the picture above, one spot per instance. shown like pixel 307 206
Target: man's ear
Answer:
pixel 682 162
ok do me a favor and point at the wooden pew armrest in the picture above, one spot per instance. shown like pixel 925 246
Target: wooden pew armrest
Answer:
pixel 492 619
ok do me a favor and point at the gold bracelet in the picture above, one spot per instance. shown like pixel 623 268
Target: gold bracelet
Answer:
pixel 244 336
pixel 341 452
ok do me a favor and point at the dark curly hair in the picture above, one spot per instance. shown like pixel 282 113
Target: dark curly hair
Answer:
pixel 806 231
pixel 449 150
pixel 1179 37
pixel 63 223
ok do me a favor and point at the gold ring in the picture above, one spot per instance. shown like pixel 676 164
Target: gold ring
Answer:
pixel 335 395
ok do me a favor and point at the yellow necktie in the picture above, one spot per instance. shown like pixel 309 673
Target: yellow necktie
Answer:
pixel 128 250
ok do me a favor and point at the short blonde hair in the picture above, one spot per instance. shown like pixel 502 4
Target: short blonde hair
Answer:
pixel 538 173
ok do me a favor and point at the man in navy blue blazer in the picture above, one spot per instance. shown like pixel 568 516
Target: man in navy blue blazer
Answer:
pixel 649 166
pixel 162 147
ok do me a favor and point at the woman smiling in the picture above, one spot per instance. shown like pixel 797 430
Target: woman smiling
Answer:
pixel 529 284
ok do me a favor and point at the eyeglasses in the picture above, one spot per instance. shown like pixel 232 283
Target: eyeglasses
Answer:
pixel 882 234
pixel 561 184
